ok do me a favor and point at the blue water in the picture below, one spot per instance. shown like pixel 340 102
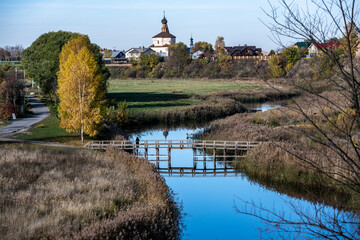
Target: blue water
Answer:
pixel 209 202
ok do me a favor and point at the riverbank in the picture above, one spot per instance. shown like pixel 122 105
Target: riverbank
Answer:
pixel 79 194
pixel 179 101
pixel 279 162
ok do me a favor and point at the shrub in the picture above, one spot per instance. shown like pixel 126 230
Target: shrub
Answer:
pixel 131 73
pixel 258 119
pixel 118 72
pixel 277 66
pixel 5 67
pixel 6 112
pixel 345 120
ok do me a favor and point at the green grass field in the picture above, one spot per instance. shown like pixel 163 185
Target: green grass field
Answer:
pixel 165 94
pixel 141 95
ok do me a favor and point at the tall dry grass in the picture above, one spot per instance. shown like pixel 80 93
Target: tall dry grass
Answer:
pixel 79 194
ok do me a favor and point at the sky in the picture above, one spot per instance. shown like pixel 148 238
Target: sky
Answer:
pixel 123 24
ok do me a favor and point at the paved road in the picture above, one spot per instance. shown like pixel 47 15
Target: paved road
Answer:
pixel 39 109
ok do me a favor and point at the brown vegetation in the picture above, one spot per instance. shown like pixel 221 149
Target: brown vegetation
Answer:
pixel 259 94
pixel 279 161
pixel 78 194
pixel 213 109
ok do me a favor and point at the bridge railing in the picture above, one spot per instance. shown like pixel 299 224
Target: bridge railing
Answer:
pixel 129 145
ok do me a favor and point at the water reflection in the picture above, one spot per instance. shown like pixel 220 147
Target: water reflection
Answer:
pixel 256 107
pixel 211 194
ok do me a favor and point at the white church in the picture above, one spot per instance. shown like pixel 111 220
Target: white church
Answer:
pixel 162 40
pixel 160 44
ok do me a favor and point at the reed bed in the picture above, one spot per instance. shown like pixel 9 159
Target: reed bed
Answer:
pixel 49 193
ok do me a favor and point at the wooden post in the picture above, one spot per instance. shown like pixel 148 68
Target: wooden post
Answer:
pixel 169 158
pixel 204 157
pixel 225 158
pixel 236 149
pixel 157 158
pixel 214 158
pixel 194 158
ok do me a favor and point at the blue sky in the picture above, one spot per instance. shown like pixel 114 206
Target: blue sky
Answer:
pixel 131 23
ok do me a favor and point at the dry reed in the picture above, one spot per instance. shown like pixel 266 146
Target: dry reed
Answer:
pixel 78 194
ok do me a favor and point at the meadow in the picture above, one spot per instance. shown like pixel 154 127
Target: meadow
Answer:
pixel 149 95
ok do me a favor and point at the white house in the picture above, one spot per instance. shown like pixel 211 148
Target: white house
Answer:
pixel 314 49
pixel 162 40
pixel 136 52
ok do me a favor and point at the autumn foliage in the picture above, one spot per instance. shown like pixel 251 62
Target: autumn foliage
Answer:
pixel 80 88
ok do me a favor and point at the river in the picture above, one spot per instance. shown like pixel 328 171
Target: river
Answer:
pixel 210 201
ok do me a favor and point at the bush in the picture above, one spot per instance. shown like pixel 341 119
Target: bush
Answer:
pixel 118 72
pixel 5 67
pixel 131 73
pixel 6 112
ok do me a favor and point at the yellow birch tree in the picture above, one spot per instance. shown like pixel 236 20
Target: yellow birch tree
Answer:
pixel 79 88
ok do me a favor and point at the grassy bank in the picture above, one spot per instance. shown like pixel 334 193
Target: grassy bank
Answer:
pixel 78 194
pixel 271 167
pixel 49 130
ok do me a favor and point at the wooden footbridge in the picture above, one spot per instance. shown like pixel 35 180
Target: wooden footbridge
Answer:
pixel 208 153
pixel 215 146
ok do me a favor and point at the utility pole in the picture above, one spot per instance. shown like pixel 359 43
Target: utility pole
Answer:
pixel 16 74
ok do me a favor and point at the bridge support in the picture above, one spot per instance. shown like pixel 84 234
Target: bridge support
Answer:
pixel 146 153
pixel 204 158
pixel 225 158
pixel 169 158
pixel 194 158
pixel 157 158
pixel 214 157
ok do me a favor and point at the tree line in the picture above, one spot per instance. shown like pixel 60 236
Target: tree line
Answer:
pixel 11 53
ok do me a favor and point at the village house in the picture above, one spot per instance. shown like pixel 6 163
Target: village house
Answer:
pixel 135 53
pixel 314 49
pixel 243 51
pixel 301 45
pixel 118 56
